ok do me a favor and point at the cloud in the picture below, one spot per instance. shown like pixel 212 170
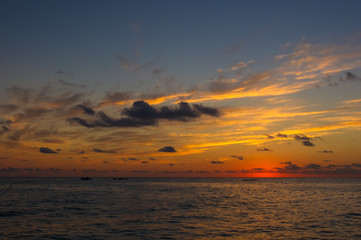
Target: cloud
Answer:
pixel 71 84
pixel 313 166
pixel 300 137
pixel 269 136
pixel 106 121
pixel 207 110
pixel 8 108
pixel 326 151
pixel 280 135
pixel 304 140
pixel 293 167
pixel 144 162
pixel 87 110
pixel 238 157
pixel 116 97
pixel 184 111
pixel 203 172
pixel 263 150
pixel 285 162
pixel 143 114
pixel 94 171
pixel 141 171
pixel 308 143
pixel 167 149
pixel 175 172
pixel 130 159
pixel 350 77
pixel 97 150
pixel 29 170
pixel 46 150
pixel 217 162
pixel 105 162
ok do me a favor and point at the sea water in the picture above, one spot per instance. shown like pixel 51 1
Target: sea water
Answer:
pixel 180 208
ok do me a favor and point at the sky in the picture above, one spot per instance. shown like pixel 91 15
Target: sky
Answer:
pixel 180 88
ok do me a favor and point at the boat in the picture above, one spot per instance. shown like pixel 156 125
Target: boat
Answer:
pixel 85 178
pixel 120 178
pixel 248 179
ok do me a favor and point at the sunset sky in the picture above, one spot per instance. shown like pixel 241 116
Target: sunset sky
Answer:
pixel 180 88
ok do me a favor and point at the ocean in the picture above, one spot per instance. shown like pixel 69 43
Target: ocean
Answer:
pixel 180 208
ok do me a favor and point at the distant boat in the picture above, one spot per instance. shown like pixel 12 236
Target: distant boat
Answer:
pixel 120 178
pixel 85 178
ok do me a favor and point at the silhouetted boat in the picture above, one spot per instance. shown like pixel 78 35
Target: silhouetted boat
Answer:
pixel 120 178
pixel 248 179
pixel 85 178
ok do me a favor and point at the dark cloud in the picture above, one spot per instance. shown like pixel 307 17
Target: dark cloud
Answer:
pixel 203 172
pixel 71 84
pixel 326 151
pixel 313 166
pixel 97 150
pixel 171 164
pixel 7 108
pixel 308 143
pixel 207 110
pixel 216 162
pixel 302 137
pixel 143 114
pixel 87 110
pixel 10 169
pixel 263 150
pixel 105 162
pixel 18 170
pixel 184 111
pixel 94 171
pixel 3 130
pixel 144 162
pixel 130 159
pixel 293 167
pixel 157 71
pixel 350 77
pixel 152 159
pixel 142 171
pixel 113 97
pixel 285 162
pixel 167 149
pixel 176 172
pixel 106 121
pixel 54 140
pixel 142 110
pixel 280 135
pixel 238 157
pixel 46 150
pixel 269 136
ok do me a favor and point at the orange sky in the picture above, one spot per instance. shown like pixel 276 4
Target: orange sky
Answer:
pixel 270 106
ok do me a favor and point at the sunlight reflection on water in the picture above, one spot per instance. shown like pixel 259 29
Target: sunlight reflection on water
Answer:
pixel 158 208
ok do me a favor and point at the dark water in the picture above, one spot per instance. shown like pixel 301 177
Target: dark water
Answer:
pixel 68 208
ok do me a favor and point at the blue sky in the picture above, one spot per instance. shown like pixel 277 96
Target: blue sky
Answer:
pixel 189 39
